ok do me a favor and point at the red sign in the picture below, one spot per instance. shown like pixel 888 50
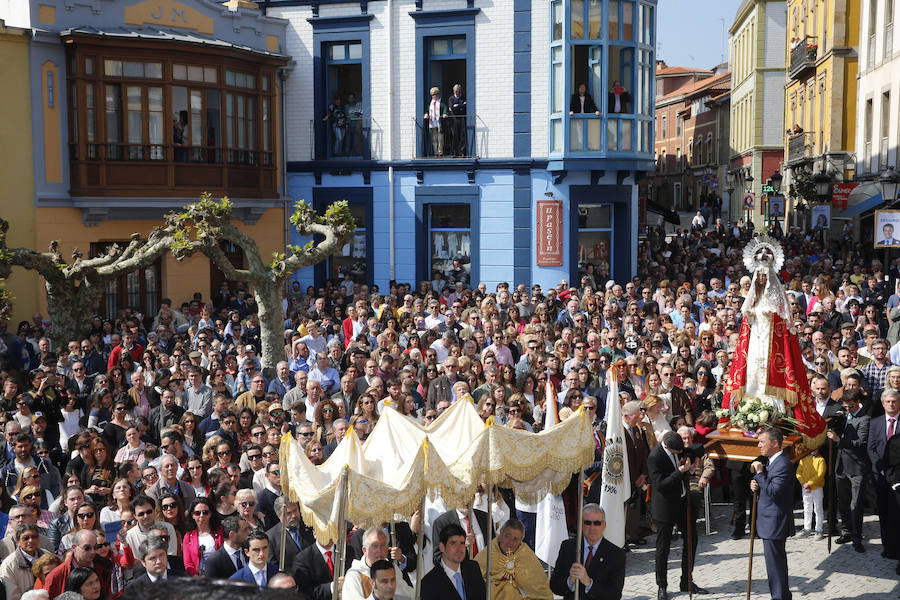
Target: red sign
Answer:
pixel 840 194
pixel 549 233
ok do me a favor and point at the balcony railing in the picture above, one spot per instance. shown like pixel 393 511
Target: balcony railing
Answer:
pixel 456 138
pixel 110 168
pixel 799 147
pixel 353 140
pixel 803 56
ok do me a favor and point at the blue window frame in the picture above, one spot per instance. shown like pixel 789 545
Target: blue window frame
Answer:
pixel 607 45
pixel 600 223
pixel 347 136
pixel 340 66
pixel 445 55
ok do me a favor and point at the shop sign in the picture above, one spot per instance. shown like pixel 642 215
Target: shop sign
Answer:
pixel 167 13
pixel 549 233
pixel 840 194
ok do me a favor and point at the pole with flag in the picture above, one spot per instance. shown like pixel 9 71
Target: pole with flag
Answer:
pixel 550 529
pixel 616 477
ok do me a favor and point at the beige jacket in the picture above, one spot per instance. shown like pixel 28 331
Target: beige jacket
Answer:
pixel 15 573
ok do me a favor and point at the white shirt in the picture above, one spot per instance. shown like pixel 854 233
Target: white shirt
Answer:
pixel 256 572
pixel 476 527
pixel 163 577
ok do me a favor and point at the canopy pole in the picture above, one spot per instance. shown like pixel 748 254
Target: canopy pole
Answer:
pixel 420 564
pixel 283 534
pixel 393 535
pixel 488 541
pixel 579 527
pixel 342 527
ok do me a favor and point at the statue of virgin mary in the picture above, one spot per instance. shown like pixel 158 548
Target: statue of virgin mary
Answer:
pixel 767 363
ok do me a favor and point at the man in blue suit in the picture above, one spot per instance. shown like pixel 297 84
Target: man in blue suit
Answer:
pixel 775 483
pixel 258 569
pixel 881 429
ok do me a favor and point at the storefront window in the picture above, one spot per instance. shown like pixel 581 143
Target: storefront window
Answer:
pixel 449 236
pixel 351 260
pixel 594 238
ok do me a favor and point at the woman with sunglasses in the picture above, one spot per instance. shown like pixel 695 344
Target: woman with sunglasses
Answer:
pixel 245 502
pixel 196 476
pixel 120 501
pixel 171 510
pixel 119 560
pixel 705 387
pixel 571 403
pixel 30 476
pixel 517 410
pixel 87 516
pixel 118 425
pixel 116 380
pixel 326 413
pixel 98 472
pixel 219 381
pixel 31 495
pixel 486 406
pixel 367 408
pixel 203 537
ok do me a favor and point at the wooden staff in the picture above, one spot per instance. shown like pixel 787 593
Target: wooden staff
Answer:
pixel 421 541
pixel 393 535
pixel 341 542
pixel 752 536
pixel 831 494
pixel 579 527
pixel 689 535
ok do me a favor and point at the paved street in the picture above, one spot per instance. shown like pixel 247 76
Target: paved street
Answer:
pixel 722 567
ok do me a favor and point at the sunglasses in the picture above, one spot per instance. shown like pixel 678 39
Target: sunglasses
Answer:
pixel 327 410
pixel 170 506
pixel 201 513
pixel 254 456
pixel 275 472
pixel 248 503
pixel 145 513
pixel 32 496
pixel 87 515
pixel 590 523
pixel 223 452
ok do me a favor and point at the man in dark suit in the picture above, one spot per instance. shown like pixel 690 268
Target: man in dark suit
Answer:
pixel 851 467
pixel 226 561
pixel 775 482
pixel 881 429
pixel 265 502
pixel 313 570
pixel 156 563
pixel 601 573
pixel 258 569
pixel 454 576
pixel 298 535
pixel 637 450
pixel 668 502
pixel 474 531
pixel 441 387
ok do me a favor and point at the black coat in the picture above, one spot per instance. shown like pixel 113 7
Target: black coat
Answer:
pixel 666 486
pixel 437 586
pixel 448 518
pixel 290 547
pixel 175 569
pixel 607 571
pixel 219 565
pixel 589 105
pixel 312 574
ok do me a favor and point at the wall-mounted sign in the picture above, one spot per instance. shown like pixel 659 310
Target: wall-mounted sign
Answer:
pixel 168 13
pixel 887 228
pixel 549 233
pixel 749 201
pixel 840 194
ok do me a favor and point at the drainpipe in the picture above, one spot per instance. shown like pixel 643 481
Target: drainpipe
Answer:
pixel 390 128
pixel 282 75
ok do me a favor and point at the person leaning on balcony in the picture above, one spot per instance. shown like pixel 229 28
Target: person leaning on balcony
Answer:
pixel 436 115
pixel 795 132
pixel 582 102
pixel 457 102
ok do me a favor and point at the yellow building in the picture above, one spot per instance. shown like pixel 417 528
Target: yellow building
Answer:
pixel 820 93
pixel 16 166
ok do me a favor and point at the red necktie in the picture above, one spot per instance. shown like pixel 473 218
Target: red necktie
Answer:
pixel 590 556
pixel 475 541
pixel 891 428
pixel 330 562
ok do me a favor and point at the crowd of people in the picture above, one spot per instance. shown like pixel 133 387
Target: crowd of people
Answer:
pixel 150 449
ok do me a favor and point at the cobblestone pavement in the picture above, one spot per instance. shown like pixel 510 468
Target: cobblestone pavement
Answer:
pixel 814 574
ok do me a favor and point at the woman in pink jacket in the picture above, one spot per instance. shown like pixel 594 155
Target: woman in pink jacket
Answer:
pixel 203 538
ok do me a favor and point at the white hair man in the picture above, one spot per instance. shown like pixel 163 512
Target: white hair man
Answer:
pixel 358 582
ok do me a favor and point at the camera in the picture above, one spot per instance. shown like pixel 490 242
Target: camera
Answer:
pixel 836 421
pixel 694 451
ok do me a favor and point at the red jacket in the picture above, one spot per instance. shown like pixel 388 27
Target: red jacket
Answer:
pixel 137 351
pixel 55 582
pixel 190 550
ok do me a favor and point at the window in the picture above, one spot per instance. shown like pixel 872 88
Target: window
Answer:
pixel 348 128
pixel 449 237
pixel 155 123
pixel 709 149
pixel 137 290
pixel 662 130
pixel 885 129
pixel 868 159
pixel 678 126
pixel 888 28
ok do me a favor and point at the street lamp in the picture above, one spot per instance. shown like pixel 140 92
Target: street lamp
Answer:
pixel 890 181
pixel 776 181
pixel 748 182
pixel 823 185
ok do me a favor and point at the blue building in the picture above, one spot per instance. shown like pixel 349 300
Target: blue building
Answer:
pixel 432 180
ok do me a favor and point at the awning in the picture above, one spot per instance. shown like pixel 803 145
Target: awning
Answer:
pixel 866 205
pixel 148 32
pixel 667 213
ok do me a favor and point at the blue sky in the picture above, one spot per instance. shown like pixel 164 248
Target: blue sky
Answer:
pixel 689 32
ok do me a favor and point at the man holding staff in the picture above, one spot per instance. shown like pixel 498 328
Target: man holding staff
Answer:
pixel 601 573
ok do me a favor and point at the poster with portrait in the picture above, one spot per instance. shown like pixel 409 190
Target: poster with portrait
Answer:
pixel 821 216
pixel 749 201
pixel 887 228
pixel 776 207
